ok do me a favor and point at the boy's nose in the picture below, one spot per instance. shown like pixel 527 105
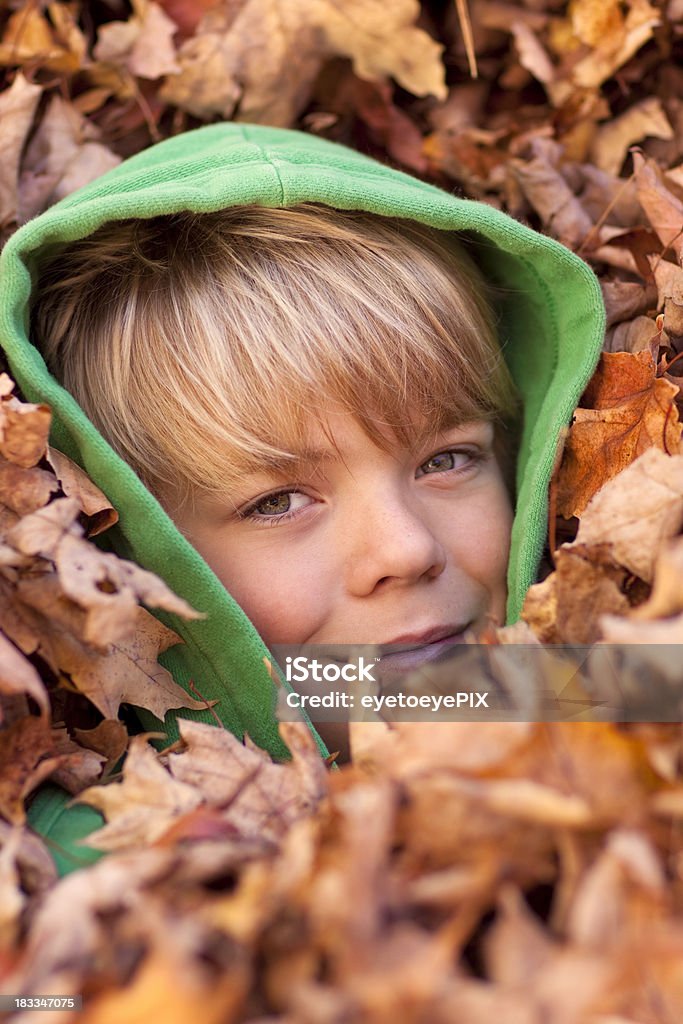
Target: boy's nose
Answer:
pixel 390 544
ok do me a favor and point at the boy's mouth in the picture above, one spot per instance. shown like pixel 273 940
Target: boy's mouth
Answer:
pixel 409 652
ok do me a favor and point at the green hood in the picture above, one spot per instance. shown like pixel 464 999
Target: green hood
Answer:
pixel 552 323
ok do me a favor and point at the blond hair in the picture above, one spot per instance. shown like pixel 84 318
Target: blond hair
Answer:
pixel 199 344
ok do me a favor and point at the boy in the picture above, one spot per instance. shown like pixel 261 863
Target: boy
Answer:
pixel 307 379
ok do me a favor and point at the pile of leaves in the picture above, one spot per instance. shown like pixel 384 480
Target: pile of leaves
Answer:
pixel 463 871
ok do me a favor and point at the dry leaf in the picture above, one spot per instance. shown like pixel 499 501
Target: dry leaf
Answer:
pixel 613 139
pixel 76 484
pixel 241 63
pixel 17 107
pixel 64 154
pixel 17 675
pixel 664 210
pixel 126 671
pixel 27 758
pixel 143 44
pixel 25 490
pixel 24 429
pixel 630 410
pixel 636 512
pixel 140 808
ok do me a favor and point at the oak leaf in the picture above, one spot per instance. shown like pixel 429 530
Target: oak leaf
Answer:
pixel 664 210
pixel 143 44
pixel 625 410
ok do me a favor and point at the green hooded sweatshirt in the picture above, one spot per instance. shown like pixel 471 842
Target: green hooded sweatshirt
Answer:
pixel 552 324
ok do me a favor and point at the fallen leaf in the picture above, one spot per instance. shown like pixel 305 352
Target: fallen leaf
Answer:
pixel 561 212
pixel 17 675
pixel 126 671
pixel 140 807
pixel 257 796
pixel 666 598
pixel 612 142
pixel 143 44
pixel 109 738
pixel 240 65
pixel 664 210
pixel 17 108
pixel 637 511
pixel 64 154
pixel 625 411
pixel 615 47
pixel 24 429
pixel 27 758
pixel 29 38
pixel 107 587
pixel 25 490
pixel 76 484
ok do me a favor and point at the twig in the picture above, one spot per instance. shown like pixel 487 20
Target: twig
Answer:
pixel 467 36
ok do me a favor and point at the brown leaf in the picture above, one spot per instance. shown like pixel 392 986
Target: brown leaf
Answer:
pixel 27 758
pixel 109 738
pixel 126 671
pixel 76 484
pixel 24 427
pixel 64 154
pixel 627 410
pixel 25 490
pixel 17 107
pixel 81 768
pixel 245 58
pixel 614 47
pixel 664 210
pixel 666 598
pixel 140 808
pixel 637 511
pixel 108 588
pixel 17 675
pixel 258 796
pixel 612 142
pixel 559 209
pixel 143 44
pixel 585 588
pixel 30 38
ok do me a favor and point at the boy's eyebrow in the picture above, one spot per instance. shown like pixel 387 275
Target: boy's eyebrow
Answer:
pixel 301 460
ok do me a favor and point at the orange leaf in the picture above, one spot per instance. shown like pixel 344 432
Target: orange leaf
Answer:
pixel 630 409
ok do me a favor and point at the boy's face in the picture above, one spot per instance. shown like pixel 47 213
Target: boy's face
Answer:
pixel 366 550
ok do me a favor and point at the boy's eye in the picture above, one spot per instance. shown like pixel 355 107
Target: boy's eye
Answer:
pixel 449 460
pixel 275 507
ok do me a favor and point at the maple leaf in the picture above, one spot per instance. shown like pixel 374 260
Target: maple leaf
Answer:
pixel 626 410
pixel 243 59
pixel 125 671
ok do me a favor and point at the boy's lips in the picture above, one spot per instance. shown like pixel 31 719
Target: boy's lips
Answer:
pixel 415 650
pixel 412 641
